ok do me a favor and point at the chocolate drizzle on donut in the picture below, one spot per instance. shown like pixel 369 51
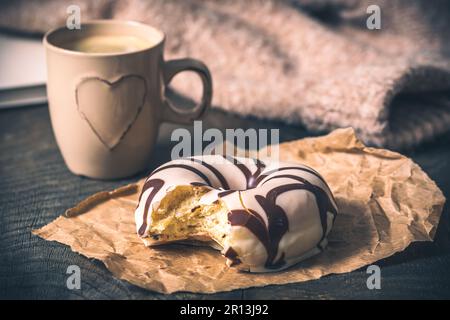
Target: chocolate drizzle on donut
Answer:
pixel 184 166
pixel 198 184
pixel 232 255
pixel 252 181
pixel 269 236
pixel 251 178
pixel 268 173
pixel 278 223
pixel 323 201
pixel 225 193
pixel 156 184
pixel 216 172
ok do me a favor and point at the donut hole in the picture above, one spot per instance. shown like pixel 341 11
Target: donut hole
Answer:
pixel 180 216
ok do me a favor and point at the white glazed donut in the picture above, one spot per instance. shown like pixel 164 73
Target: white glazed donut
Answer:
pixel 263 216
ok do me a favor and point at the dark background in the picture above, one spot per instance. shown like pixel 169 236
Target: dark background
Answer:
pixel 36 187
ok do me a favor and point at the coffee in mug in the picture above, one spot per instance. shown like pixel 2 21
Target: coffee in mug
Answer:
pixel 108 44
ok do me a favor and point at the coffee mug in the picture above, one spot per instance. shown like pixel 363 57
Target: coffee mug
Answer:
pixel 106 96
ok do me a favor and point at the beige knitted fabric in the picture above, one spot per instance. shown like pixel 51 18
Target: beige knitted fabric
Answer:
pixel 308 61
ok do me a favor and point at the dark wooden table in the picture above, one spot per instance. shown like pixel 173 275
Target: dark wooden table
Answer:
pixel 36 187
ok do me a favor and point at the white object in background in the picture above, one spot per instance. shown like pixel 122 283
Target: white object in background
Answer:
pixel 22 71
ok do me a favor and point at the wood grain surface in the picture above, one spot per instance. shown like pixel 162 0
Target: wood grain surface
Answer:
pixel 36 187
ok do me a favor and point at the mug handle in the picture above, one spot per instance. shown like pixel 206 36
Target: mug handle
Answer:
pixel 177 115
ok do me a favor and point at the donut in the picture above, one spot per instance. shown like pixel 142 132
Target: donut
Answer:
pixel 263 216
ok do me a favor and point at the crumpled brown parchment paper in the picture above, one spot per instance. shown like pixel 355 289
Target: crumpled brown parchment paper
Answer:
pixel 385 202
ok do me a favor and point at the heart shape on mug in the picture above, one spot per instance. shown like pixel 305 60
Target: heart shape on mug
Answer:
pixel 111 107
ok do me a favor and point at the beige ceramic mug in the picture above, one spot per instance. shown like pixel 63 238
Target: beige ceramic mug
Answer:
pixel 107 102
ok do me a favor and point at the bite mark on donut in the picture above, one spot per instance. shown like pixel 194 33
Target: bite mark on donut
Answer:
pixel 180 216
